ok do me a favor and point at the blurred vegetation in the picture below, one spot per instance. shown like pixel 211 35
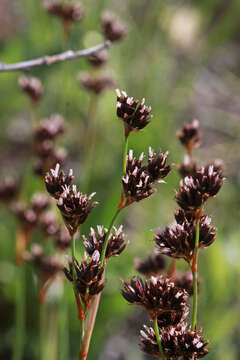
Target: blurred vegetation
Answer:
pixel 183 57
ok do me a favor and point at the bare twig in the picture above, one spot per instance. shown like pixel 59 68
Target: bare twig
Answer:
pixel 53 59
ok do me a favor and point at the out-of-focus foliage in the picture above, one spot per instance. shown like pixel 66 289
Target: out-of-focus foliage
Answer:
pixel 183 57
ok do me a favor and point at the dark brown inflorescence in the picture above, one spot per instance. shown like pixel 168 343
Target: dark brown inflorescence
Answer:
pixel 89 277
pixel 39 203
pixel 135 115
pixel 56 181
pixel 62 239
pixel 177 342
pixel 96 83
pixel 70 11
pixel 184 280
pixel 98 59
pixel 153 265
pixel 49 224
pixel 113 28
pixel 32 86
pixel 27 216
pixel 45 133
pixel 138 181
pixel 8 190
pixel 95 241
pixel 196 189
pixel 160 297
pixel 190 135
pixel 74 207
pixel 178 240
pixel 49 128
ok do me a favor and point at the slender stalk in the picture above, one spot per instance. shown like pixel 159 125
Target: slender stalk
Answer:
pixel 158 338
pixel 63 328
pixel 125 154
pixel 78 298
pixel 104 249
pixel 88 328
pixel 195 278
pixel 42 331
pixel 20 315
pixel 172 269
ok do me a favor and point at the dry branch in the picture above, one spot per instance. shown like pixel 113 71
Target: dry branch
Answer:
pixel 53 59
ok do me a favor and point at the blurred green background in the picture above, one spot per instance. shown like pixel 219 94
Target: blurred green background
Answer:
pixel 184 58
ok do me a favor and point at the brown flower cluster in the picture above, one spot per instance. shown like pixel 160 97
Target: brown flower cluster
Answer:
pixel 67 12
pixel 178 240
pixel 196 189
pixel 32 86
pixel 73 205
pixel 8 190
pixel 45 133
pixel 96 83
pixel 135 115
pixel 98 59
pixel 89 277
pixel 177 343
pixel 139 180
pixel 190 136
pixel 153 265
pixel 113 28
pixel 95 241
pixel 160 297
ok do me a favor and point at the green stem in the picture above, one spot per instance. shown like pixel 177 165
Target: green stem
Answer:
pixel 158 338
pixel 125 154
pixel 42 331
pixel 104 249
pixel 195 278
pixel 20 314
pixel 63 327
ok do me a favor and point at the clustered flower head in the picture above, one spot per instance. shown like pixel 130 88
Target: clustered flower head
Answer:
pixel 73 205
pixel 190 135
pixel 160 297
pixel 89 277
pixel 8 190
pixel 153 265
pixel 67 12
pixel 113 28
pixel 95 241
pixel 134 114
pixel 32 86
pixel 45 133
pixel 138 181
pixel 195 190
pixel 177 343
pixel 96 83
pixel 187 167
pixel 98 59
pixel 178 240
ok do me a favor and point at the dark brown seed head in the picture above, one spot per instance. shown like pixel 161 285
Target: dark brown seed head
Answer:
pixel 74 207
pixel 113 28
pixel 49 224
pixel 178 240
pixel 49 128
pixel 39 203
pixel 138 181
pixel 47 265
pixel 89 277
pixel 135 115
pixel 98 59
pixel 62 239
pixel 32 87
pixel 156 166
pixel 55 181
pixel 153 265
pixel 196 189
pixel 8 190
pixel 96 84
pixel 190 136
pixel 95 241
pixel 27 216
pixel 66 12
pixel 158 296
pixel 177 342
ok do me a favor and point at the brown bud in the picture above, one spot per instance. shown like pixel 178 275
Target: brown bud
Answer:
pixel 32 87
pixel 113 28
